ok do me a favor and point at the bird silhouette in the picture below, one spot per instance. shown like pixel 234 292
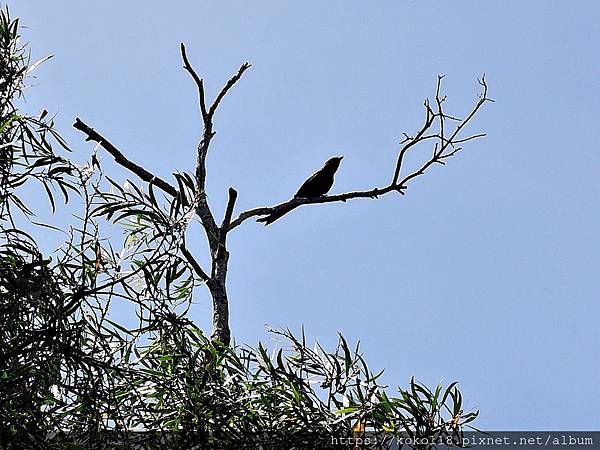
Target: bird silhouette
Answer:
pixel 317 185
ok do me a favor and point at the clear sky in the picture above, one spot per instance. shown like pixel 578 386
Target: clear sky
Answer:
pixel 487 270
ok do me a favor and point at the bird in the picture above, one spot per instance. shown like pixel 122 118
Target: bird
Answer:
pixel 317 185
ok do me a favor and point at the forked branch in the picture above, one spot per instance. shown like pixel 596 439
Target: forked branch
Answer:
pixel 435 128
pixel 203 208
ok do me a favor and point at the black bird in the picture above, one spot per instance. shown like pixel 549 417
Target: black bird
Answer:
pixel 317 185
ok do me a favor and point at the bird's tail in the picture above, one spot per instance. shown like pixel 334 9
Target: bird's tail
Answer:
pixel 275 215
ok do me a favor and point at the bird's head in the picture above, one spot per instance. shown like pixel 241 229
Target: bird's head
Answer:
pixel 334 162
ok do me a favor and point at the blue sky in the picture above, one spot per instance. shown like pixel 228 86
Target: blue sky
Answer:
pixel 486 272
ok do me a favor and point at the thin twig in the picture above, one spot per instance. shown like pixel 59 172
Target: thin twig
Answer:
pixel 230 83
pixel 429 117
pixel 199 83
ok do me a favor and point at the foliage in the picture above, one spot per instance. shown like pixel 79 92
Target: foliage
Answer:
pixel 72 376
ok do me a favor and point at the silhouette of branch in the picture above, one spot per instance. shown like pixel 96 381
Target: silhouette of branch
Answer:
pixel 190 258
pixel 438 155
pixel 296 202
pixel 199 82
pixel 230 83
pixel 443 149
pixel 410 142
pixel 229 210
pixel 203 209
pixel 216 235
pixel 121 159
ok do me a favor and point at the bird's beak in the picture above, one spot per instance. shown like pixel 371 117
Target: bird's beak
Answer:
pixel 340 157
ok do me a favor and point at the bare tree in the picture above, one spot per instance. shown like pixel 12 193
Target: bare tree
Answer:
pixel 445 131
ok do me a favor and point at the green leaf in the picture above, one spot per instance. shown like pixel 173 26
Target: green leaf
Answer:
pixel 347 356
pixel 346 410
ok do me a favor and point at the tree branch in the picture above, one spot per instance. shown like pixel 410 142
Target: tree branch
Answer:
pixel 145 175
pixel 229 210
pixel 199 83
pixel 216 236
pixel 230 83
pixel 438 153
pixel 190 258
pixel 296 202
pixel 399 185
pixel 203 209
pixel 429 117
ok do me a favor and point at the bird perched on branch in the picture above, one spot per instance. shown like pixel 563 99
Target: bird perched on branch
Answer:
pixel 315 186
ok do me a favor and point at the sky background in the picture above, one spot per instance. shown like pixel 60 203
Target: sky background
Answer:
pixel 486 272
